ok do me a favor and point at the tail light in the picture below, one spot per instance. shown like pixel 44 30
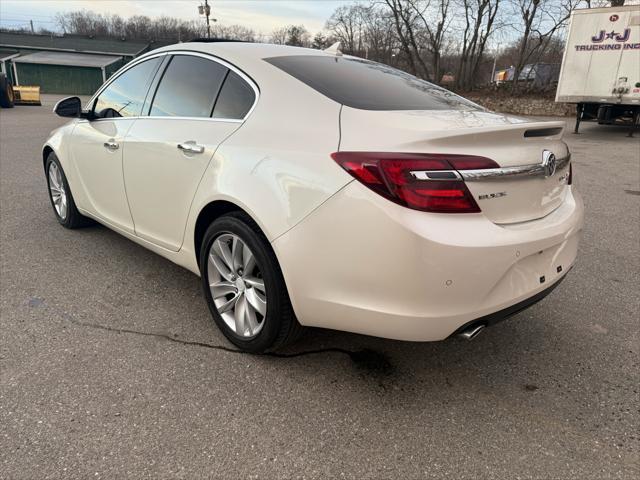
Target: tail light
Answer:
pixel 426 182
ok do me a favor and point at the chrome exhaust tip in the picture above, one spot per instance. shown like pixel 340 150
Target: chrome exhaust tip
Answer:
pixel 472 332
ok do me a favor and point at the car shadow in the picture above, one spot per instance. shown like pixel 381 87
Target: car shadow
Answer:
pixel 510 351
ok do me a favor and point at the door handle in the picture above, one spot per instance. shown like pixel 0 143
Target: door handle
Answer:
pixel 111 145
pixel 191 147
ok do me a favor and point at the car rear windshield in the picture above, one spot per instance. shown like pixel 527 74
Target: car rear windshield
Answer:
pixel 367 85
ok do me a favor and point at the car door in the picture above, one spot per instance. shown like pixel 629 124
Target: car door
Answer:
pixel 198 102
pixel 97 145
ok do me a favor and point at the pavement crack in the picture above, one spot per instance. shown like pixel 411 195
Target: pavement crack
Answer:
pixel 366 359
pixel 106 328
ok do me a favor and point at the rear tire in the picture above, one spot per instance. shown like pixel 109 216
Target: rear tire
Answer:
pixel 64 206
pixel 270 327
pixel 6 92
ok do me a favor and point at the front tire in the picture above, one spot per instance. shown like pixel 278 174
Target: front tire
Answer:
pixel 244 286
pixel 60 196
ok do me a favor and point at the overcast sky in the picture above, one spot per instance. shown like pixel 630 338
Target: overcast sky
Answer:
pixel 261 15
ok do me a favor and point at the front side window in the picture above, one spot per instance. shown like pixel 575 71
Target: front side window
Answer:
pixel 236 98
pixel 125 96
pixel 188 88
pixel 367 85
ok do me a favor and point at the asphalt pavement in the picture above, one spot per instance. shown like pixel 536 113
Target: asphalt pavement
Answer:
pixel 111 366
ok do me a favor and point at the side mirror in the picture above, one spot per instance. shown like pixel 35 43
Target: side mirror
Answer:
pixel 68 107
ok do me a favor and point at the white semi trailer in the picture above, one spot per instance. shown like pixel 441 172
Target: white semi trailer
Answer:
pixel 601 65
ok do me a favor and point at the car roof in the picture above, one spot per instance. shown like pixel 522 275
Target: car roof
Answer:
pixel 248 58
pixel 241 52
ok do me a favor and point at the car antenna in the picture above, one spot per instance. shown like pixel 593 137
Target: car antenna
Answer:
pixel 335 49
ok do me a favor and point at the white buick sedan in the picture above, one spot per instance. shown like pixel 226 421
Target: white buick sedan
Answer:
pixel 308 188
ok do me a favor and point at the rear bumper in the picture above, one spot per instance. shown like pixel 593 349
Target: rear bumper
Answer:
pixel 509 312
pixel 362 264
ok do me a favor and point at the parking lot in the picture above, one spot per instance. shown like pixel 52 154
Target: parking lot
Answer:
pixel 112 368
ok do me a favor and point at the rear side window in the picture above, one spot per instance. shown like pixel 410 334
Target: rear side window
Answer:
pixel 125 95
pixel 188 88
pixel 236 98
pixel 366 85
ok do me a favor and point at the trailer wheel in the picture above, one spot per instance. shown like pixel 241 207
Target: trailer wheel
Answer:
pixel 635 121
pixel 6 92
pixel 579 113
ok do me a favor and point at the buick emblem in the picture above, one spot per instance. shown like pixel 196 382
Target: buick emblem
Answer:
pixel 548 163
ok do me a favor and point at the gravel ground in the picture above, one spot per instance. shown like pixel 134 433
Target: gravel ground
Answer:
pixel 111 367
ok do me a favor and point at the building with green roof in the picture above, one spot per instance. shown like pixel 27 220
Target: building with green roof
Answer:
pixel 64 64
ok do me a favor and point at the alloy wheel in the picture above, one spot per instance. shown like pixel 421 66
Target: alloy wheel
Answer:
pixel 237 286
pixel 57 191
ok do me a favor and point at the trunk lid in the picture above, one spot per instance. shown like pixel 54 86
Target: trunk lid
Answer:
pixel 514 194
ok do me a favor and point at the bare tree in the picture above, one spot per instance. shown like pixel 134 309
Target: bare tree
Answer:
pixel 434 15
pixel 541 21
pixel 295 35
pixel 404 16
pixel 380 42
pixel 141 27
pixel 364 30
pixel 345 24
pixel 479 24
pixel 235 32
pixel 279 36
pixel 424 28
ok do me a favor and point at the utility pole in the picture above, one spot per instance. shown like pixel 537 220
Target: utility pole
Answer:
pixel 206 11
pixel 32 29
pixel 493 70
